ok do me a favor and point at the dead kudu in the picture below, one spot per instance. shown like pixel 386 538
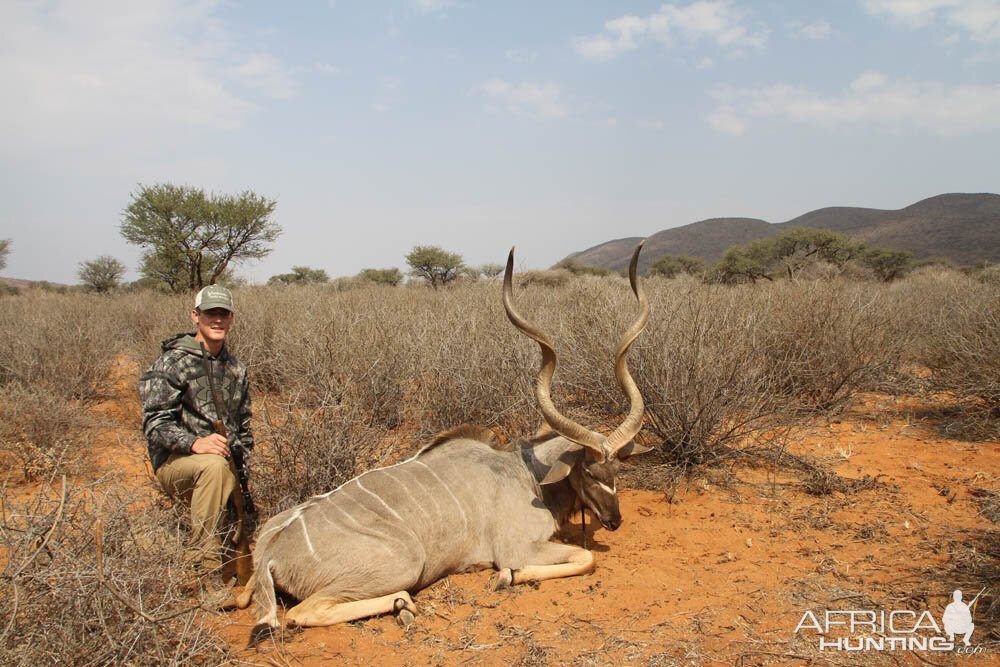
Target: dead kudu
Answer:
pixel 461 503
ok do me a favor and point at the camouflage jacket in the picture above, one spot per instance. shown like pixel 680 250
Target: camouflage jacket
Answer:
pixel 177 406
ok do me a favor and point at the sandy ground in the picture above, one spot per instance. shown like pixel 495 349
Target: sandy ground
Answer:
pixel 716 570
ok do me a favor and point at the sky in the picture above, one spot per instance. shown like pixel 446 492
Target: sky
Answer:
pixel 553 126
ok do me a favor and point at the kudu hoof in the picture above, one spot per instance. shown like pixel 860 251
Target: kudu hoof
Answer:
pixel 260 632
pixel 504 579
pixel 404 613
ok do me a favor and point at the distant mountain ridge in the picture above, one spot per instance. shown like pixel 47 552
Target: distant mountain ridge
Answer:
pixel 962 227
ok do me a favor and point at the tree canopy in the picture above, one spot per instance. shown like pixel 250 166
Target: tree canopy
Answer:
pixel 796 247
pixel 578 269
pixel 102 274
pixel 670 266
pixel 744 263
pixel 888 264
pixel 436 266
pixel 391 276
pixel 300 275
pixel 190 238
pixel 490 271
pixel 4 251
pixel 788 252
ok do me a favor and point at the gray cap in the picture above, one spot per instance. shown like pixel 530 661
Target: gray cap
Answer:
pixel 214 296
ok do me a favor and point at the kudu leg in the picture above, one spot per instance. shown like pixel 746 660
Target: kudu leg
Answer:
pixel 320 609
pixel 243 599
pixel 551 561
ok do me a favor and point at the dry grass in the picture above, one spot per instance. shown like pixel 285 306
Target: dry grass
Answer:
pixel 349 376
pixel 959 341
pixel 58 343
pixel 70 602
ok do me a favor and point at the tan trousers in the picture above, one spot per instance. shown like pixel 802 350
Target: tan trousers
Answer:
pixel 205 482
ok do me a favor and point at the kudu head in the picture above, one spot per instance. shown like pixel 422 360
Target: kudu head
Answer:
pixel 587 459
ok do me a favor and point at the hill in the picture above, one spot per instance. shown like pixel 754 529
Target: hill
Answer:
pixel 26 284
pixel 962 227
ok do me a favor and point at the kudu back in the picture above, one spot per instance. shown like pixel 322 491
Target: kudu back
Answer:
pixel 463 502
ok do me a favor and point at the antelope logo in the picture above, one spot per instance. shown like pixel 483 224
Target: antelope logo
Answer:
pixel 463 502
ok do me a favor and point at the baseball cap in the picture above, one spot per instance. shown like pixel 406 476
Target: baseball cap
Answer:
pixel 214 296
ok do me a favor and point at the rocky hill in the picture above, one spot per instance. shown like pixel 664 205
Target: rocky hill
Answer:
pixel 962 227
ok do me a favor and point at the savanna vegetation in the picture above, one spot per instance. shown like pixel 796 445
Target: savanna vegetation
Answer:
pixel 353 375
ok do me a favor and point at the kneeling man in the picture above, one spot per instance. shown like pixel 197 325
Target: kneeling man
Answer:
pixel 190 459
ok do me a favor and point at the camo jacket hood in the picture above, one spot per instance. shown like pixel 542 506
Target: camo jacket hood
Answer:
pixel 177 406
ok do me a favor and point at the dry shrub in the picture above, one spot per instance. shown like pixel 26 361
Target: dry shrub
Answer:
pixel 819 270
pixel 467 365
pixel 60 608
pixel 543 278
pixel 41 432
pixel 143 319
pixel 824 342
pixel 58 343
pixel 346 283
pixel 717 365
pixel 704 371
pixel 957 324
pixel 990 276
pixel 328 348
pixel 304 452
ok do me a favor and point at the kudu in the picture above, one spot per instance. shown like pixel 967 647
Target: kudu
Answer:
pixel 461 503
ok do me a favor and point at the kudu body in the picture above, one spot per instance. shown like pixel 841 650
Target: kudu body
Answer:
pixel 461 503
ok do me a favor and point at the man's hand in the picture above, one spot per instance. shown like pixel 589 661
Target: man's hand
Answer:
pixel 211 444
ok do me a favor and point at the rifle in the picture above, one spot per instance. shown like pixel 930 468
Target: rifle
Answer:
pixel 976 598
pixel 246 514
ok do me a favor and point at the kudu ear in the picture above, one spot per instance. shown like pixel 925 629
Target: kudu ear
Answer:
pixel 552 460
pixel 632 449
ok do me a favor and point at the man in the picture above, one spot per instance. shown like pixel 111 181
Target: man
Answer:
pixel 189 458
pixel 958 619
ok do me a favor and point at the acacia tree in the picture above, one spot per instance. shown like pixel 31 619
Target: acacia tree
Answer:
pixel 434 265
pixel 490 271
pixel 102 274
pixel 887 263
pixel 798 246
pixel 741 263
pixel 670 266
pixel 190 238
pixel 300 275
pixel 391 276
pixel 4 251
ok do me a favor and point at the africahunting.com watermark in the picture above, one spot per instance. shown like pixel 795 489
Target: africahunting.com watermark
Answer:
pixel 895 630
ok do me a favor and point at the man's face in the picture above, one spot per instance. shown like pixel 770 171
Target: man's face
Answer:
pixel 212 324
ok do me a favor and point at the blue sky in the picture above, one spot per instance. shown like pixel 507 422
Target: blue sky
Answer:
pixel 475 126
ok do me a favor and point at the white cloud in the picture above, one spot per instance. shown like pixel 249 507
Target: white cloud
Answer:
pixel 817 30
pixel 705 63
pixel 868 81
pixel 541 100
pixel 979 18
pixel 81 72
pixel 718 21
pixel 727 121
pixel 871 99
